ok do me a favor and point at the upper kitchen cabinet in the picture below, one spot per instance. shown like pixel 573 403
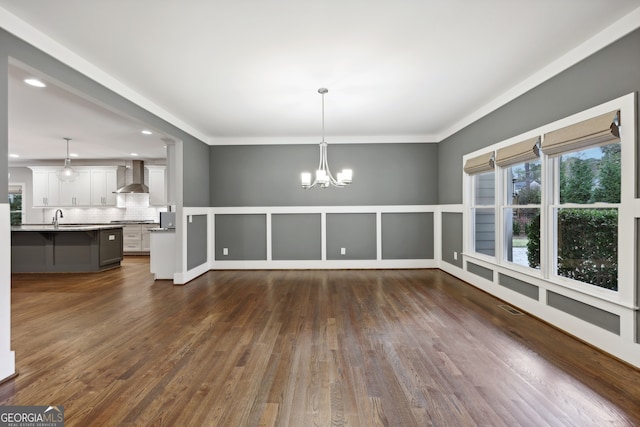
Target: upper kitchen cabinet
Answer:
pixel 46 187
pixel 48 190
pixel 104 183
pixel 78 191
pixel 94 186
pixel 157 185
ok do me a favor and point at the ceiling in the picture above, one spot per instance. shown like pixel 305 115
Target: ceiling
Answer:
pixel 39 119
pixel 248 71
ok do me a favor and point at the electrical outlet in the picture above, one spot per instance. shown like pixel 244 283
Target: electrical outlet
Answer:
pixel 225 251
pixel 343 251
pixel 455 255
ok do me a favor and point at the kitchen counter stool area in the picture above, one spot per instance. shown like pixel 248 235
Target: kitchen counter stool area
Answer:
pixel 73 249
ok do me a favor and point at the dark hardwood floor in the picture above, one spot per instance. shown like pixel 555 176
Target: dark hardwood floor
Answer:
pixel 300 348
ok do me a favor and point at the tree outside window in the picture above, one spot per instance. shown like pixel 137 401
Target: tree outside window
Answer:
pixel 523 207
pixel 586 234
pixel 15 207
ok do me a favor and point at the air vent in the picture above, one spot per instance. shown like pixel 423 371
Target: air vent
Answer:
pixel 511 310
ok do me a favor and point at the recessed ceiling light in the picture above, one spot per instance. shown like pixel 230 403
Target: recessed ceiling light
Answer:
pixel 15 156
pixel 134 154
pixel 34 82
pixel 73 154
pixel 147 132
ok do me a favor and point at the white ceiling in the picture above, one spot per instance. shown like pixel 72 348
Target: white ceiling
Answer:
pixel 248 71
pixel 39 119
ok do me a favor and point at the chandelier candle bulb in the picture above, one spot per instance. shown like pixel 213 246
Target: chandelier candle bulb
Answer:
pixel 305 178
pixel 347 176
pixel 321 175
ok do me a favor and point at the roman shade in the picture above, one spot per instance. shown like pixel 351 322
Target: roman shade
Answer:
pixel 480 164
pixel 15 189
pixel 598 130
pixel 521 152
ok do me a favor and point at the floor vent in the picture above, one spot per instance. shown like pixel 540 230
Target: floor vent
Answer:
pixel 511 310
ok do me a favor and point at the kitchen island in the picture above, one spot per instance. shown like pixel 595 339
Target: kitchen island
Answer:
pixel 65 249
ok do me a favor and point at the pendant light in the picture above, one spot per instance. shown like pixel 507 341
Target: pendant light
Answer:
pixel 67 173
pixel 324 178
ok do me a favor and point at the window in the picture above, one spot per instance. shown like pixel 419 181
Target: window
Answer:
pixel 522 213
pixel 564 198
pixel 586 215
pixel 15 204
pixel 521 201
pixel 483 204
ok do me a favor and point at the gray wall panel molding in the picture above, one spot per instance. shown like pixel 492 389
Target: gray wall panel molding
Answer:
pixel 452 227
pixel 524 288
pixel 588 313
pixel 244 236
pixel 479 270
pixel 197 232
pixel 356 232
pixel 407 235
pixel 251 175
pixel 605 75
pixel 296 237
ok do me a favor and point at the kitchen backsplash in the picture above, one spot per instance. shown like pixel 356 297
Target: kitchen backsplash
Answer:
pixel 136 209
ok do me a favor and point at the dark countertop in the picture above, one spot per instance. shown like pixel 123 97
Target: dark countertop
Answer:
pixel 64 227
pixel 162 230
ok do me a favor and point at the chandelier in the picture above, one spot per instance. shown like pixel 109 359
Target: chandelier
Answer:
pixel 67 173
pixel 324 178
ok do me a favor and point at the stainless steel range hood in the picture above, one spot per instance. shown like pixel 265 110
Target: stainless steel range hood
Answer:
pixel 137 184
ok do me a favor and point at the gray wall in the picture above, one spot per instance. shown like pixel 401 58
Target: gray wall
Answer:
pixel 355 232
pixel 407 235
pixel 244 236
pixel 383 174
pixel 197 233
pixel 195 151
pixel 296 237
pixel 606 75
pixel 452 226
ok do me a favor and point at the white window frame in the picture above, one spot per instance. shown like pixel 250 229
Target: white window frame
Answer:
pixel 628 209
pixel 469 220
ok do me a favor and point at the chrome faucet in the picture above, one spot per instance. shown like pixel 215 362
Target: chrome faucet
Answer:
pixel 55 218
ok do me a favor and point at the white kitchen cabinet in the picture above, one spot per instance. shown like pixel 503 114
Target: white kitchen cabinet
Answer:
pixel 136 239
pixel 132 238
pixel 163 257
pixel 157 185
pixel 46 187
pixel 94 186
pixel 104 182
pixel 78 191
pixel 145 236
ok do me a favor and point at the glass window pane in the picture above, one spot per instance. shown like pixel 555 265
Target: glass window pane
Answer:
pixel 524 184
pixel 523 236
pixel 15 208
pixel 485 188
pixel 591 175
pixel 587 246
pixel 485 231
